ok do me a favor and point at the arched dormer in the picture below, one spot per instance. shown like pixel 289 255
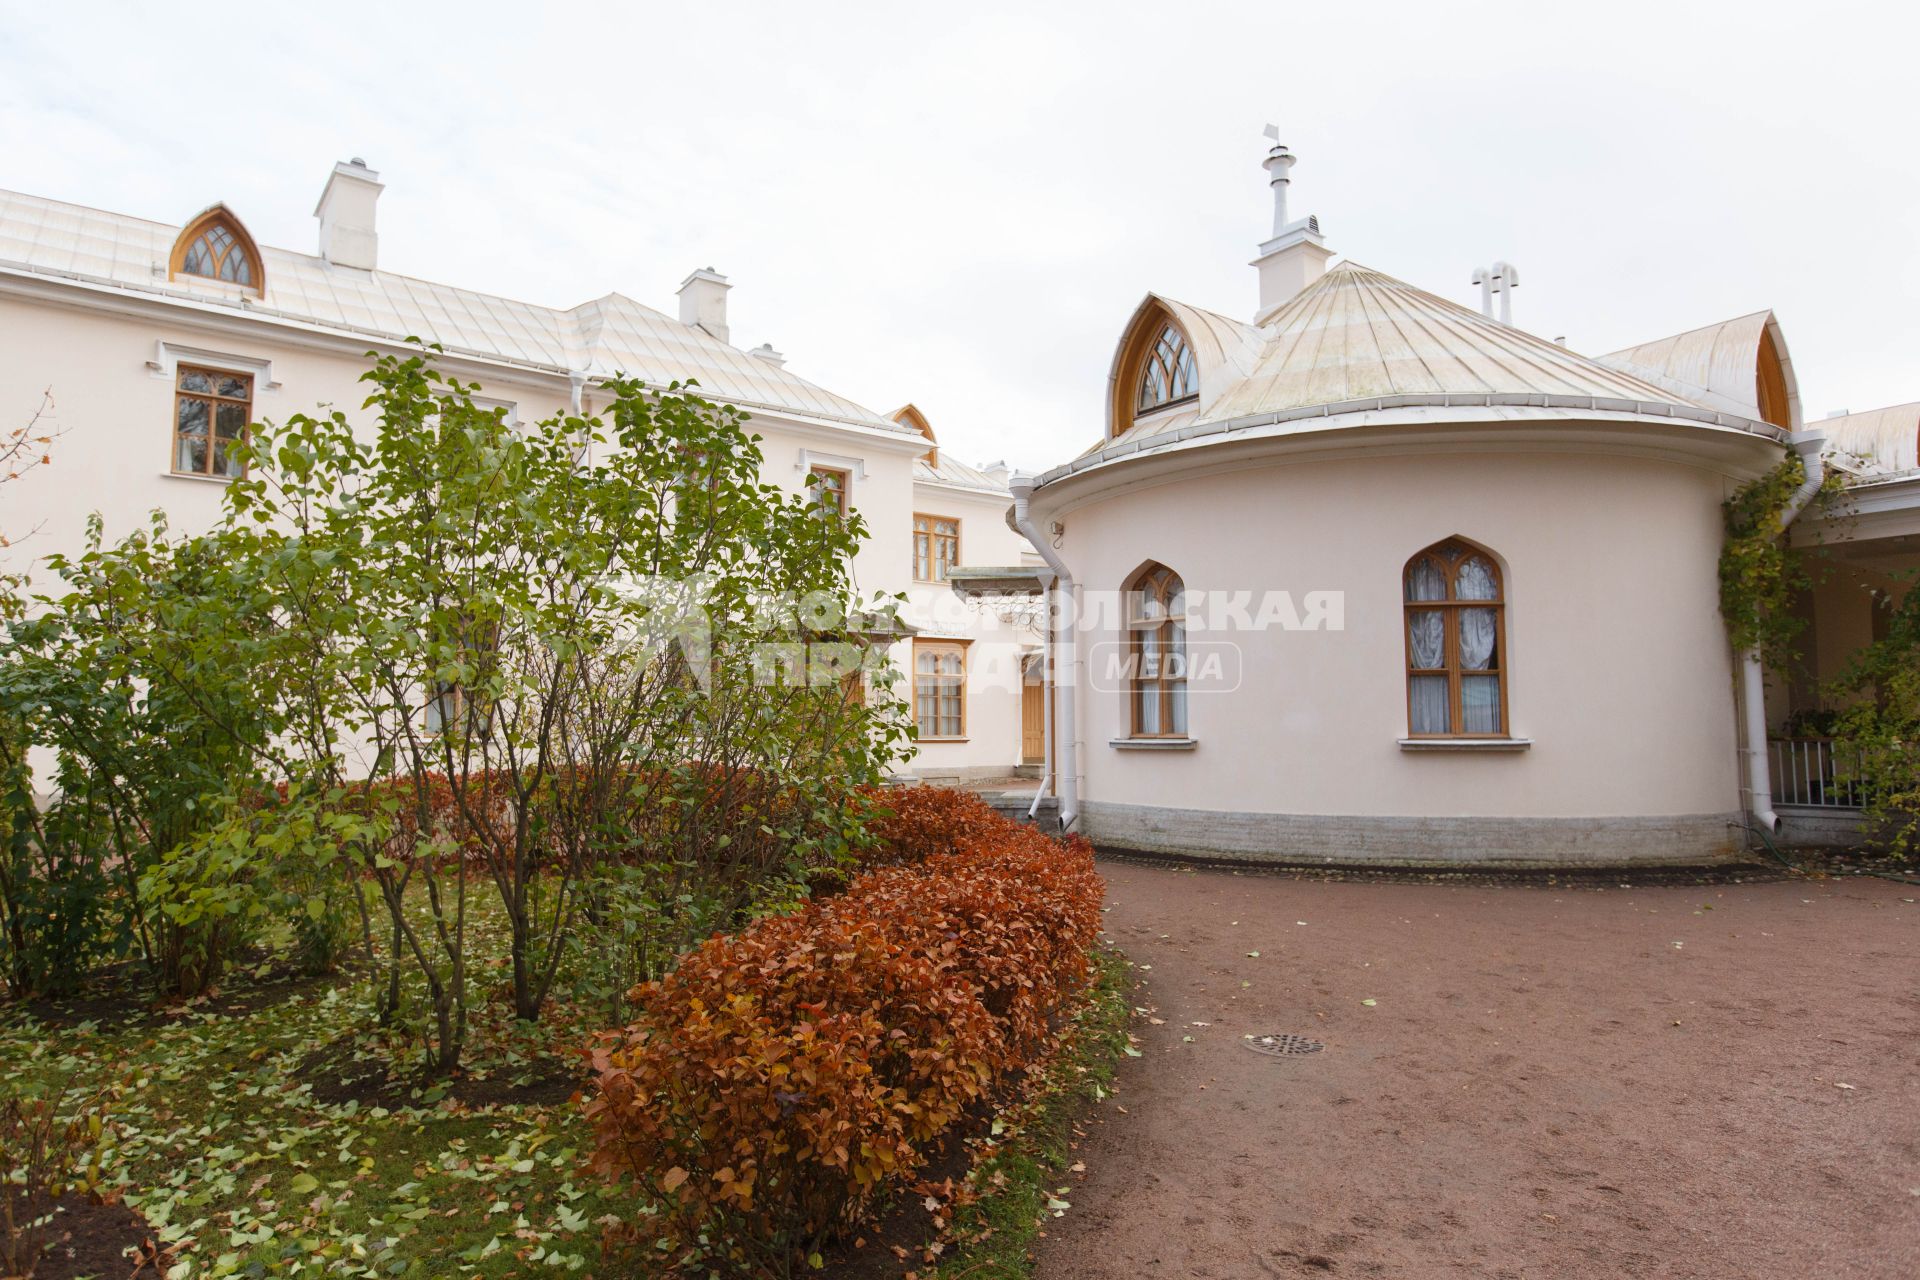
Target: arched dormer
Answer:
pixel 1774 389
pixel 1739 366
pixel 1154 370
pixel 216 246
pixel 909 416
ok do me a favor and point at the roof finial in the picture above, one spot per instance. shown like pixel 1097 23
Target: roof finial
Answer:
pixel 1278 161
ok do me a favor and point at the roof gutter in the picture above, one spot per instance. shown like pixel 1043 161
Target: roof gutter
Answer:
pixel 1753 669
pixel 1060 626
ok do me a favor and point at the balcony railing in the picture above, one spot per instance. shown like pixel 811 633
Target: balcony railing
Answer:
pixel 1804 774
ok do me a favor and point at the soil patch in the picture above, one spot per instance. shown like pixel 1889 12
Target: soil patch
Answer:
pixel 91 1238
pixel 122 996
pixel 338 1076
pixel 907 1224
pixel 1543 1080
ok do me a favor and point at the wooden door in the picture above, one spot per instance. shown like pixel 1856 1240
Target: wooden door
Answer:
pixel 1033 711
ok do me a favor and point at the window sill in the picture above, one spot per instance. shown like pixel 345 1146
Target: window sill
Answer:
pixel 188 475
pixel 923 740
pixel 1469 745
pixel 1152 744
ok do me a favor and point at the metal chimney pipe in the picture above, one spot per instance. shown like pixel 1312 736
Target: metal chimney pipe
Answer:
pixel 1278 161
pixel 1507 279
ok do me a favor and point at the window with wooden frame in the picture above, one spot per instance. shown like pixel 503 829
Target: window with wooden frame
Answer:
pixel 1168 373
pixel 1456 643
pixel 940 689
pixel 215 246
pixel 830 490
pixel 1156 653
pixel 936 547
pixel 211 409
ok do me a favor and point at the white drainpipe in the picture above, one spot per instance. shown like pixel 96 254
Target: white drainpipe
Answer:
pixel 1046 703
pixel 1069 778
pixel 1753 670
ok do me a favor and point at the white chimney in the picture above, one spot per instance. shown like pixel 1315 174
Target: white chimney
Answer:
pixel 766 352
pixel 998 472
pixel 347 235
pixel 703 301
pixel 1296 256
pixel 1501 278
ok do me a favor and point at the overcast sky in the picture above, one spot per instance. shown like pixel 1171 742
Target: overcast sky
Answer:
pixel 960 205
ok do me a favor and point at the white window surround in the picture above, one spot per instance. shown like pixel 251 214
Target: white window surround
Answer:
pixel 168 356
pixel 511 406
pixel 811 458
pixel 1153 744
pixel 1495 745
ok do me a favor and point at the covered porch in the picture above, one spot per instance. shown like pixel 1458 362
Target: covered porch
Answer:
pixel 1863 555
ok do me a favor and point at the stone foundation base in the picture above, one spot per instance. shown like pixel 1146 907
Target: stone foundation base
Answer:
pixel 1692 839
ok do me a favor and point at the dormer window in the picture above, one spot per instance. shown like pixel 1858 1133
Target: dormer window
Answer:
pixel 215 246
pixel 1168 373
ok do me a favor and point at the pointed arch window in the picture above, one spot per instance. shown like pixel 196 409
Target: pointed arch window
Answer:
pixel 1156 603
pixel 216 247
pixel 1456 630
pixel 1168 373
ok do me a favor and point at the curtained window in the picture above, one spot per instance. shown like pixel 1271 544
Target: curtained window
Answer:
pixel 1456 644
pixel 936 547
pixel 1157 652
pixel 940 689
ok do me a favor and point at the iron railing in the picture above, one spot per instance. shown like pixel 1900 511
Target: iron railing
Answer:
pixel 1804 774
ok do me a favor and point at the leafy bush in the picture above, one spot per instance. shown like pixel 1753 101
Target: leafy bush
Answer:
pixel 51 1143
pixel 1877 734
pixel 785 1076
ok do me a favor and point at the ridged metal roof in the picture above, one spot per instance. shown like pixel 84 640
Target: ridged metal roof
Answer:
pixel 1888 439
pixel 613 334
pixel 1359 341
pixel 1359 333
pixel 1714 365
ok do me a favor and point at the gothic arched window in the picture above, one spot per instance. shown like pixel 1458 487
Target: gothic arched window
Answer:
pixel 1456 643
pixel 1156 604
pixel 1168 373
pixel 215 246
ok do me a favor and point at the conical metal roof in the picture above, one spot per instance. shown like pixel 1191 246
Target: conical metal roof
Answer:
pixel 1360 334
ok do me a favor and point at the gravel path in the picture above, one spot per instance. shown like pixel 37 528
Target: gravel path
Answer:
pixel 1716 1081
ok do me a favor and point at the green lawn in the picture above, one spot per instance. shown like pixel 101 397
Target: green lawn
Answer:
pixel 220 1143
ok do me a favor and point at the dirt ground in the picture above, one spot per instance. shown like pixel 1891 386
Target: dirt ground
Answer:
pixel 1525 1081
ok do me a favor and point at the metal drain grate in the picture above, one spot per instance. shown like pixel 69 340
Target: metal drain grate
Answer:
pixel 1282 1045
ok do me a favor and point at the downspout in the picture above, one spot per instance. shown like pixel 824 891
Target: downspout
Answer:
pixel 1046 703
pixel 1753 670
pixel 1069 780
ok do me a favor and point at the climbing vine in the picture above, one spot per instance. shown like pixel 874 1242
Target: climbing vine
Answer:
pixel 1759 577
pixel 1877 733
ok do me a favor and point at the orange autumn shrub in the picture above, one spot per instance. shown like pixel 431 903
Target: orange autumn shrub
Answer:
pixel 784 1077
pixel 912 823
pixel 1021 919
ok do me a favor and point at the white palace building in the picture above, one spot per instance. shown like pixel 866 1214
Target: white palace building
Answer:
pixel 158 341
pixel 1365 577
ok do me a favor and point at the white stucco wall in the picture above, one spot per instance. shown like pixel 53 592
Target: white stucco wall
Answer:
pixel 1619 665
pixel 114 417
pixel 992 746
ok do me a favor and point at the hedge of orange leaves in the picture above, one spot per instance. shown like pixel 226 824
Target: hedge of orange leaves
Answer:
pixel 783 1077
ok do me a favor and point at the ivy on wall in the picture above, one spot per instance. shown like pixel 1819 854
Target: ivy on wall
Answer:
pixel 1759 577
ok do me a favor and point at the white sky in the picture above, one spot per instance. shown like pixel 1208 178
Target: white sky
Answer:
pixel 960 205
